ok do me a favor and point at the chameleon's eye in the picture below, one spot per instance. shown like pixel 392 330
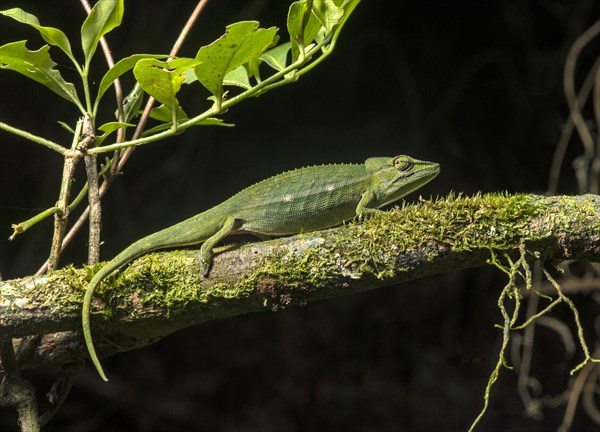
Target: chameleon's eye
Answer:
pixel 403 163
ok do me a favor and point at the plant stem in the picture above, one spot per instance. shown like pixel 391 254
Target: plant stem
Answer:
pixel 62 214
pixel 326 47
pixel 31 137
pixel 122 160
pixel 15 392
pixel 91 168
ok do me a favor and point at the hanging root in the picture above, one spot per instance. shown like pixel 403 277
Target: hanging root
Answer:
pixel 521 269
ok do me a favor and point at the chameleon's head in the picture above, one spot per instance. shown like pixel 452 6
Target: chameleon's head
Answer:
pixel 398 176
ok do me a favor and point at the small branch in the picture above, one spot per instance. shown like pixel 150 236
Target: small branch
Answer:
pixel 62 215
pixel 161 293
pixel 585 161
pixel 568 128
pixel 91 168
pixel 60 390
pixel 275 80
pixel 36 139
pixel 122 159
pixel 21 227
pixel 15 392
pixel 174 51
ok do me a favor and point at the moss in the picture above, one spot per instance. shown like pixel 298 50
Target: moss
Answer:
pixel 490 222
pixel 64 288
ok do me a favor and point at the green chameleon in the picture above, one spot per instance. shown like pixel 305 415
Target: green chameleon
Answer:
pixel 301 200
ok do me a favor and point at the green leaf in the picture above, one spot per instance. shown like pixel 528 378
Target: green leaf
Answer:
pixel 104 16
pixel 38 66
pixel 328 13
pixel 113 126
pixel 164 114
pixel 349 6
pixel 303 26
pixel 122 66
pixel 66 127
pixel 132 103
pixel 277 57
pixel 242 43
pixel 51 35
pixel 109 128
pixel 295 19
pixel 238 77
pixel 162 80
pixel 211 121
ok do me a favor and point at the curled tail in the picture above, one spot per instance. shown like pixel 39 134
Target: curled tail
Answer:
pixel 191 231
pixel 85 318
pixel 143 246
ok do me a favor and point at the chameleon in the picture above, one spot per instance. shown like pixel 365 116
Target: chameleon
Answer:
pixel 301 200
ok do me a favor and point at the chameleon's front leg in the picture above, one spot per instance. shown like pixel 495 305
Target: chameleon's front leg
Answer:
pixel 230 225
pixel 364 205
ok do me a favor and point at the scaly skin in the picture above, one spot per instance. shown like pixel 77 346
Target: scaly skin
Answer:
pixel 305 199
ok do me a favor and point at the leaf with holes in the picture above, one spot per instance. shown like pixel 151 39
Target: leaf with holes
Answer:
pixel 51 35
pixel 242 43
pixel 120 68
pixel 162 80
pixel 38 66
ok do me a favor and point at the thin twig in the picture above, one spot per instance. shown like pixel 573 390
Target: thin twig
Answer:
pixel 174 51
pixel 62 215
pixel 31 137
pixel 582 163
pixel 60 390
pixel 15 392
pixel 568 128
pixel 91 168
pixel 127 153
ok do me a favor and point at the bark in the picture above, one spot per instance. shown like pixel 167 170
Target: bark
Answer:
pixel 163 292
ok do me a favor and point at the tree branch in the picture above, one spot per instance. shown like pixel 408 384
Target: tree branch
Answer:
pixel 163 292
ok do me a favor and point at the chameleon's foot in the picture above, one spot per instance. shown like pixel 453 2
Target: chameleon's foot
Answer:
pixel 205 266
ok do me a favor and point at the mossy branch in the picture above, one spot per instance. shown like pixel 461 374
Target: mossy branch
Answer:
pixel 163 292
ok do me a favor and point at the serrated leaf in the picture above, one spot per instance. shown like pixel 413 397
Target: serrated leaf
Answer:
pixel 238 77
pixel 277 57
pixel 51 35
pixel 122 66
pixel 242 43
pixel 104 16
pixel 37 65
pixel 162 80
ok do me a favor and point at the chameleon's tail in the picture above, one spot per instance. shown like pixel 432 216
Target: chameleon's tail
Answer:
pixel 85 319
pixel 192 231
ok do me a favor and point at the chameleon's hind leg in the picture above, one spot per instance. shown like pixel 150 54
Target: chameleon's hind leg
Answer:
pixel 230 225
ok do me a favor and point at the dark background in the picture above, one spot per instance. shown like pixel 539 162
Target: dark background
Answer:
pixel 473 85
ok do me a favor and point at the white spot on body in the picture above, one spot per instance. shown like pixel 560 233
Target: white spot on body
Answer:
pixel 287 198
